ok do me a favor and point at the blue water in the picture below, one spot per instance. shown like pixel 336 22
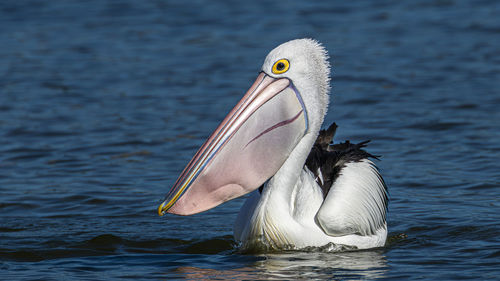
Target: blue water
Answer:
pixel 102 104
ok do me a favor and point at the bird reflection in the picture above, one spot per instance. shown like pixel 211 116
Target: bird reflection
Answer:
pixel 300 265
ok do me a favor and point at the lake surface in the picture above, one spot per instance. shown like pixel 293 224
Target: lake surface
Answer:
pixel 103 103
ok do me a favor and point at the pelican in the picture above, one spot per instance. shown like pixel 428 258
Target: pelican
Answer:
pixel 305 191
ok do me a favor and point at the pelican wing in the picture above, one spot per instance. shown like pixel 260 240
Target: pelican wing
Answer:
pixel 355 194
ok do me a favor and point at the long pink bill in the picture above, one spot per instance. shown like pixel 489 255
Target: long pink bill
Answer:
pixel 245 150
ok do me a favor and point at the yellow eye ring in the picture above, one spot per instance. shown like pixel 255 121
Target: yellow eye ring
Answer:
pixel 281 66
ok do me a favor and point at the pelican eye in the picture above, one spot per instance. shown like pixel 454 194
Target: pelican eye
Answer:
pixel 281 66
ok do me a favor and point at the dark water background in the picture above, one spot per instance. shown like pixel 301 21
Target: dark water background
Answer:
pixel 102 103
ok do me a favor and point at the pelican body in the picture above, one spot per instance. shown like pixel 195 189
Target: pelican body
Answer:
pixel 305 191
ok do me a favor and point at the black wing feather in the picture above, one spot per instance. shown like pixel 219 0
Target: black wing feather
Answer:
pixel 330 158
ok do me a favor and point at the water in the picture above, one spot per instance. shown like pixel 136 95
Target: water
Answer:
pixel 102 103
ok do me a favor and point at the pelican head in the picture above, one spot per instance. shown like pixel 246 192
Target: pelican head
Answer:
pixel 309 71
pixel 285 105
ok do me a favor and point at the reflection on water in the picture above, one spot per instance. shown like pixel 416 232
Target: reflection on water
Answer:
pixel 300 265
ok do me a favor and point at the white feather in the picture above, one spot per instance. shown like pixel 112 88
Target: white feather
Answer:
pixel 356 201
pixel 265 220
pixel 320 176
